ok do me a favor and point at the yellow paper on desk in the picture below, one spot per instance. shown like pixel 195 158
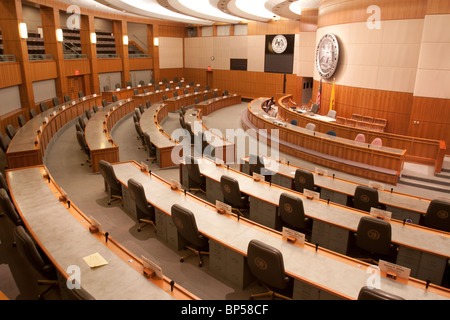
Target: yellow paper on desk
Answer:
pixel 95 260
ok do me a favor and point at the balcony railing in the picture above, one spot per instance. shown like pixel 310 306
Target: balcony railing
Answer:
pixel 75 56
pixel 7 58
pixel 108 56
pixel 40 57
pixel 139 55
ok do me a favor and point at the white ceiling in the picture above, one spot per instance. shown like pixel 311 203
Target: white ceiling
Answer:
pixel 203 12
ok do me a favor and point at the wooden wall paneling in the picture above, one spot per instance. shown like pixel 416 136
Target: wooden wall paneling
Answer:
pixel 10 16
pixel 11 74
pixel 109 65
pixel 77 67
pixel 171 31
pixel 170 74
pixel 438 7
pixel 141 64
pixel 43 70
pixel 308 20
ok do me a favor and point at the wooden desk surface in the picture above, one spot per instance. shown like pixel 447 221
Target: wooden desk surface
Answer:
pixel 331 272
pixel 65 238
pixel 96 138
pixel 150 124
pixel 413 236
pixel 347 187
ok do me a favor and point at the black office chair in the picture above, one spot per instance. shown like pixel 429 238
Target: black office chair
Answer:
pixel 315 108
pixel 151 149
pixel 294 122
pixel 182 121
pixel 138 113
pixel 203 144
pixel 304 179
pixel 129 84
pixel 142 83
pixel 205 97
pixel 95 108
pixel 373 237
pixel 88 114
pixel 118 85
pixel 292 214
pixel 32 113
pixel 4 143
pixel 80 94
pixel 148 104
pixel 365 198
pixel 164 97
pixel 4 184
pixel 79 129
pixel 175 94
pixel 84 147
pixel 135 92
pixel 140 134
pixel 9 209
pixel 266 264
pixel 185 91
pixel 67 98
pixel 144 210
pixel 43 106
pixel 10 131
pixel 168 86
pixel 164 80
pixel 141 108
pixel 106 88
pixel 114 98
pixel 184 221
pixel 232 194
pixel 225 93
pixel 115 188
pixel 196 89
pixel 437 215
pixel 81 122
pixel 256 165
pixel 207 88
pixel 37 259
pixel 367 293
pixel 197 182
pixel 56 101
pixel 191 132
pixel 157 87
pixel 21 120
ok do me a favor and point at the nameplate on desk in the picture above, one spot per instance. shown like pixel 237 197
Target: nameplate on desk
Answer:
pixel 311 195
pixel 175 185
pixel 219 162
pixel 73 102
pixel 394 271
pixel 96 224
pixel 292 236
pixel 139 86
pixel 95 95
pixel 46 120
pixel 321 172
pixel 380 214
pixel 84 99
pixel 128 87
pixel 63 107
pixel 150 265
pixel 258 177
pixel 129 99
pixel 40 129
pixel 376 185
pixel 223 208
pixel 177 88
pixel 144 167
pixel 118 89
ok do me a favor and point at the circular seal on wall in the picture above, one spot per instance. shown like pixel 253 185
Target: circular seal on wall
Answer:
pixel 279 44
pixel 327 56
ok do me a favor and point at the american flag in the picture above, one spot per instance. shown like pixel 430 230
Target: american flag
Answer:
pixel 319 93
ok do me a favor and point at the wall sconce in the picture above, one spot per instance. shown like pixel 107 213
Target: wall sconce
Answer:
pixel 125 40
pixel 93 38
pixel 156 42
pixel 23 30
pixel 59 35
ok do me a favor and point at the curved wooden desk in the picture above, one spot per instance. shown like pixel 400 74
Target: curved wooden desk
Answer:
pixel 402 206
pixel 322 274
pixel 63 234
pixel 175 103
pixel 28 146
pixel 425 251
pixel 420 150
pixel 377 163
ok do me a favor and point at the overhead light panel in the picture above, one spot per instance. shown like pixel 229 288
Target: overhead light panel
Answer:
pixel 204 10
pixel 254 8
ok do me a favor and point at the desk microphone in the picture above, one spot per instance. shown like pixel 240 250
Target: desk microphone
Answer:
pixel 68 203
pixel 317 246
pixel 333 175
pixel 172 283
pixel 106 237
pixel 428 283
pixel 392 189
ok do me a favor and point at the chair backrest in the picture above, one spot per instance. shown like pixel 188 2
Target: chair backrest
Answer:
pixel 332 114
pixel 138 113
pixel 137 194
pixel 129 84
pixel 56 101
pixel 11 131
pixel 3 183
pixel 67 98
pixel 360 137
pixel 106 88
pixel 135 92
pixel 315 108
pixel 95 108
pixel 141 82
pixel 81 122
pixel 104 103
pixel 438 215
pixel 184 221
pixel 88 114
pixel 4 143
pixel 28 250
pixel 182 121
pixel 164 97
pixel 107 171
pixel 294 122
pixel 193 169
pixel 175 94
pixel 256 164
pixel 185 91
pixel 230 190
pixel 80 94
pixel 205 97
pixel 33 113
pixel 303 179
pixel 114 98
pixel 365 198
pixel 332 133
pixel 118 85
pixel 43 106
pixel 368 293
pixel 21 120
pixel 310 126
pixel 78 127
pixel 225 93
pixel 9 208
pixel 291 210
pixel 377 142
pixel 141 108
pixel 266 264
pixel 148 143
pixel 82 142
pixel 157 87
pixel 138 129
pixel 374 235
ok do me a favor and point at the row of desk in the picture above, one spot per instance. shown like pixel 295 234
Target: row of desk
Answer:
pixel 360 159
pixel 426 151
pixel 318 274
pixel 425 251
pixel 62 231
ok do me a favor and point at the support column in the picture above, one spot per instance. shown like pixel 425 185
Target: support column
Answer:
pixel 89 48
pixel 153 32
pixel 119 30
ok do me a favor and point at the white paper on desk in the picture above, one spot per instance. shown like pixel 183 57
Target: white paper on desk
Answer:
pixel 378 213
pixel 95 260
pixel 299 237
pixel 309 193
pixel 149 264
pixel 224 206
pixel 400 271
